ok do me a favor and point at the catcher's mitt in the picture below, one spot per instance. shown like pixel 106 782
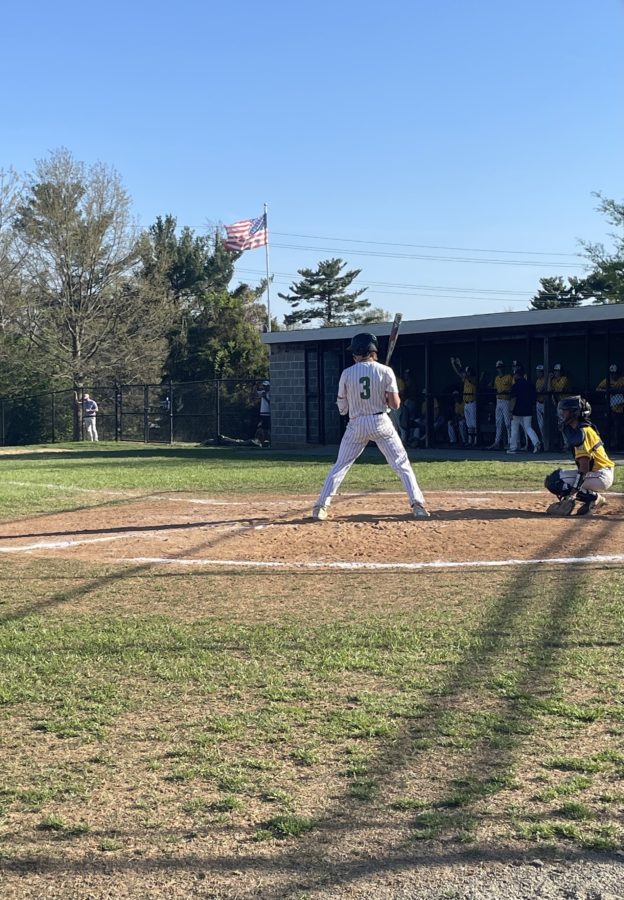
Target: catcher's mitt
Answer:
pixel 561 507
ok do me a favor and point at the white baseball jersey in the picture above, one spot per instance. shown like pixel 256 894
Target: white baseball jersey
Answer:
pixel 362 389
pixel 362 394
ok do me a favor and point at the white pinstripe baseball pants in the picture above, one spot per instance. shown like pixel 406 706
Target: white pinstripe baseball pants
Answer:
pixel 503 419
pixel 359 432
pixel 539 415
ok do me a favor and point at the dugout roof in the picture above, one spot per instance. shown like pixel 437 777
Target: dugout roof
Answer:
pixel 528 318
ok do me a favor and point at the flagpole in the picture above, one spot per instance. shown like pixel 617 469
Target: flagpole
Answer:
pixel 266 225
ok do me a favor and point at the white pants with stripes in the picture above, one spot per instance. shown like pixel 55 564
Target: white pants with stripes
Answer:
pixel 470 415
pixel 539 415
pixel 503 420
pixel 359 432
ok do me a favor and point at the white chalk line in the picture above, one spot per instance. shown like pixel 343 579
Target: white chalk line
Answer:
pixel 63 545
pixel 69 487
pixel 354 566
pixel 68 544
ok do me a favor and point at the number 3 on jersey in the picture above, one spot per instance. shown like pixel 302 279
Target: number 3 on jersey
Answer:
pixel 365 392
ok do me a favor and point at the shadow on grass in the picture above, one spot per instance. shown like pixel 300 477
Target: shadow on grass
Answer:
pixel 312 865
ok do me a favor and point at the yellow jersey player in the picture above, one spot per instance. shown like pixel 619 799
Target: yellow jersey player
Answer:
pixel 540 387
pixel 502 384
pixel 594 470
pixel 469 378
pixel 614 385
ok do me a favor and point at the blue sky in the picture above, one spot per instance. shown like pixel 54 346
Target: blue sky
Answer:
pixel 374 131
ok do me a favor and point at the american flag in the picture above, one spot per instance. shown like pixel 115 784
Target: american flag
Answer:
pixel 247 234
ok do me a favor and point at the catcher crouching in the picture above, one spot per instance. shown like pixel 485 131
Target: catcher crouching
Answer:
pixel 594 470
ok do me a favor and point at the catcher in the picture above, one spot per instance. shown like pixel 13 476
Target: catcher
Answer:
pixel 594 470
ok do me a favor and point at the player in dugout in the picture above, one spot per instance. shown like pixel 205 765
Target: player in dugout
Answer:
pixel 594 470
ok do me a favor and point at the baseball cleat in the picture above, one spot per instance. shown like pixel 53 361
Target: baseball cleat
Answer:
pixel 537 448
pixel 419 512
pixel 319 513
pixel 586 509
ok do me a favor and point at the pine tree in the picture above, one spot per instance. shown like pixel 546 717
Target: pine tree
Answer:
pixel 323 295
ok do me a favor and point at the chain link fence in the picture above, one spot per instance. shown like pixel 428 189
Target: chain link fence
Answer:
pixel 217 411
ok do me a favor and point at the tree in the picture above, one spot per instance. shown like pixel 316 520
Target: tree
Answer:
pixel 221 342
pixel 554 294
pixel 214 333
pixel 186 267
pixel 605 281
pixel 323 292
pixel 11 259
pixel 605 284
pixel 82 307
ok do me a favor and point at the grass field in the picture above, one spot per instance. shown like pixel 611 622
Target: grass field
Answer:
pixel 233 713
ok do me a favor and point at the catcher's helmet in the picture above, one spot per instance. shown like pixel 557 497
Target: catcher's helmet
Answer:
pixel 576 404
pixel 363 344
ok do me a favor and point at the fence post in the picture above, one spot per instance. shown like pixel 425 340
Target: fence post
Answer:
pixel 218 410
pixel 146 413
pixel 170 412
pixel 54 417
pixel 2 420
pixel 117 389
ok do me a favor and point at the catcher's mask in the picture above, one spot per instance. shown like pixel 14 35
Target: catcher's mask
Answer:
pixel 363 344
pixel 577 406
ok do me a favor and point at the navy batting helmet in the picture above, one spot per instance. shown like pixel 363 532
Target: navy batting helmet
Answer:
pixel 576 404
pixel 363 344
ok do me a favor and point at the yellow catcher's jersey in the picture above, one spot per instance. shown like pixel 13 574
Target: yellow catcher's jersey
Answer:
pixel 592 447
pixel 470 388
pixel 502 383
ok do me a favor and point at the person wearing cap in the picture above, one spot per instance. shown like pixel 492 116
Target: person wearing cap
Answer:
pixel 558 384
pixel 263 431
pixel 613 386
pixel 523 400
pixel 540 386
pixel 365 391
pixel 559 388
pixel 502 383
pixel 457 431
pixel 469 378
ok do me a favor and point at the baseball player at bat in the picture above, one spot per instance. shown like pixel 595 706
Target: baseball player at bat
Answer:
pixel 365 391
pixel 594 470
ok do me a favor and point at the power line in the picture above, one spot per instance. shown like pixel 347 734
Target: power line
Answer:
pixel 431 257
pixel 317 237
pixel 392 284
pixel 423 246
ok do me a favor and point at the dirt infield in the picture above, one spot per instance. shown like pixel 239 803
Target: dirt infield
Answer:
pixel 363 529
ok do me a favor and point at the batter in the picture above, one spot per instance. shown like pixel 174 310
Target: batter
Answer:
pixel 365 391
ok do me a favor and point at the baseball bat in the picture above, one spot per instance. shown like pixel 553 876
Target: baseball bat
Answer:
pixel 394 334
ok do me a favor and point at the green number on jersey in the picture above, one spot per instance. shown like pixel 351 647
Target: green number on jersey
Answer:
pixel 365 392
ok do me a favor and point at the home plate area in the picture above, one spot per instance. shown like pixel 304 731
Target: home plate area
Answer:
pixel 372 529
